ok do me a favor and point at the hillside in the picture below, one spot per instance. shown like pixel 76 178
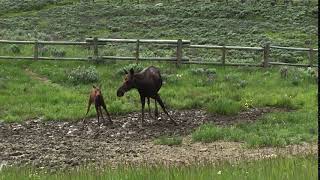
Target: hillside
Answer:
pixel 202 22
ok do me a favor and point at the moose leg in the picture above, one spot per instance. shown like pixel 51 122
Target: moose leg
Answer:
pixel 88 107
pixel 148 98
pixel 143 101
pixel 100 110
pixel 98 113
pixel 105 109
pixel 156 113
pixel 163 108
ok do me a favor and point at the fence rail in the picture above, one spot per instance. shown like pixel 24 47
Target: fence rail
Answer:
pixel 178 44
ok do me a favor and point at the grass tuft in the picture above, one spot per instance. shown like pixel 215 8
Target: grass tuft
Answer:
pixel 224 106
pixel 170 141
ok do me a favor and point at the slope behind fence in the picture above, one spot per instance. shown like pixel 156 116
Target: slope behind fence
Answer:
pixel 95 43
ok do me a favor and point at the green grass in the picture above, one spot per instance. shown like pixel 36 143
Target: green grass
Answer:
pixel 278 168
pixel 24 97
pixel 224 106
pixel 170 141
pixel 276 129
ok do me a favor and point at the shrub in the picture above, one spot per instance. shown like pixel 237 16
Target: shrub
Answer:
pixel 197 70
pixel 15 49
pixel 242 83
pixel 296 80
pixel 288 58
pixel 211 71
pixel 58 52
pixel 231 78
pixel 203 71
pixel 83 75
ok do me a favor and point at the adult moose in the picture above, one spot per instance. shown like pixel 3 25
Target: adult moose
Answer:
pixel 148 82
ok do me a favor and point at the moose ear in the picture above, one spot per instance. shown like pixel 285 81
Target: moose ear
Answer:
pixel 125 71
pixel 93 86
pixel 131 71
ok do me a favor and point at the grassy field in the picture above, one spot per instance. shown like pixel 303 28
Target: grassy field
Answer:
pixel 224 91
pixel 277 129
pixel 218 90
pixel 277 168
pixel 58 91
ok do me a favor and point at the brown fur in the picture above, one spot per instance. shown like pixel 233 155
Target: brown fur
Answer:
pixel 148 82
pixel 97 98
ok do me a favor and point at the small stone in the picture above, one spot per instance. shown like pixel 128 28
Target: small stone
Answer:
pixel 203 149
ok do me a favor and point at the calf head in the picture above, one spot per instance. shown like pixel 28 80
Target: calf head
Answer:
pixel 96 91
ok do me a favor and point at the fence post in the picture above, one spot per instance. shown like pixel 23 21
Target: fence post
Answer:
pixel 179 52
pixel 310 56
pixel 137 50
pixel 266 51
pixel 223 58
pixel 95 49
pixel 36 50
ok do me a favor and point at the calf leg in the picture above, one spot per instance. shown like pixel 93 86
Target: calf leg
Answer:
pixel 143 101
pixel 100 110
pixel 105 109
pixel 163 108
pixel 98 113
pixel 89 104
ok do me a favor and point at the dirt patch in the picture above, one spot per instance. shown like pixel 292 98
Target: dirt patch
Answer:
pixel 37 77
pixel 245 116
pixel 33 75
pixel 68 144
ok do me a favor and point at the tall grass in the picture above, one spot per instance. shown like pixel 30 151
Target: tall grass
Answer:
pixel 279 168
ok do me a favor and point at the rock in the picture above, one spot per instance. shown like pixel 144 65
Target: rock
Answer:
pixel 159 5
pixel 125 125
pixel 203 150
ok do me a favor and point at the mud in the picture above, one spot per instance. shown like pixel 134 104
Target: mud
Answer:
pixel 59 145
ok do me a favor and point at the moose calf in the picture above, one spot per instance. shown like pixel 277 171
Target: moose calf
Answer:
pixel 97 98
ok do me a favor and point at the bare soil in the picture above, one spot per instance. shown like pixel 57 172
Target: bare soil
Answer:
pixel 59 145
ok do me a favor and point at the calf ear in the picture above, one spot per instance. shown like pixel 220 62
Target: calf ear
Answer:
pixel 93 86
pixel 125 71
pixel 131 71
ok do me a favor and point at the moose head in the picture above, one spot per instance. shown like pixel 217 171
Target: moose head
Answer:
pixel 128 83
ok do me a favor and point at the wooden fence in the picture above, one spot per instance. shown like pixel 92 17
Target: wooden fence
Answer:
pixel 178 44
